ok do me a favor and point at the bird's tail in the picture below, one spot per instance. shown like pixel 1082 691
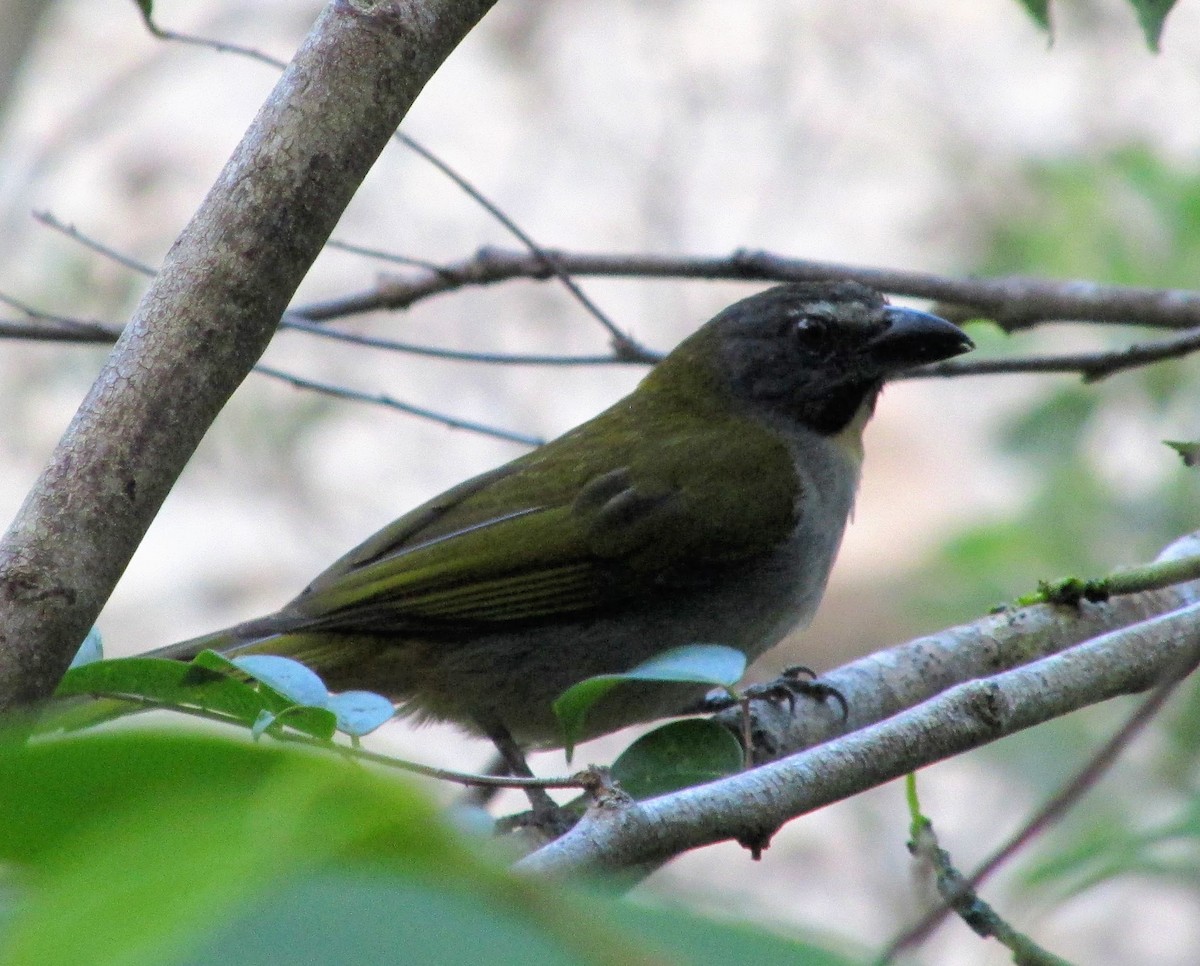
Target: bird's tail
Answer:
pixel 335 655
pixel 232 641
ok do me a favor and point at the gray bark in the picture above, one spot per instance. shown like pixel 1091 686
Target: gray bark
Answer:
pixel 207 318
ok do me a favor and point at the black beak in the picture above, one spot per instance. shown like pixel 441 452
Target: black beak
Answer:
pixel 915 338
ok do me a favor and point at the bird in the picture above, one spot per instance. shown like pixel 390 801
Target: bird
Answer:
pixel 707 506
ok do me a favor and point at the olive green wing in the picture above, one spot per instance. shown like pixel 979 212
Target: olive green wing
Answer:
pixel 671 519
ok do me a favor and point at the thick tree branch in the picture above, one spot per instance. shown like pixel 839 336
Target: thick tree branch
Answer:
pixel 206 319
pixel 751 806
pixel 890 681
pixel 1153 633
pixel 433 280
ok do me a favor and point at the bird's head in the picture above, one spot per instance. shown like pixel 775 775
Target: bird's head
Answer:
pixel 813 353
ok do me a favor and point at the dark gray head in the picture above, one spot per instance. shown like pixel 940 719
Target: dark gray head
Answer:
pixel 815 352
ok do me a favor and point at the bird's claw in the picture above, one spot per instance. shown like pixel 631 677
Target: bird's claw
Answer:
pixel 794 682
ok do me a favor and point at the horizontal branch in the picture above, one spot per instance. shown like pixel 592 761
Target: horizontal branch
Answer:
pixel 491 265
pixel 1014 302
pixel 48 327
pixel 40 332
pixel 1092 366
pixel 753 805
pixel 297 324
pixel 890 681
pixel 909 711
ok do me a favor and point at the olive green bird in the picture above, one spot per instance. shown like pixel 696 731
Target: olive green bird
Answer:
pixel 705 507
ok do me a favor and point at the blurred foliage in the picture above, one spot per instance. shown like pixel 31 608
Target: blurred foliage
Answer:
pixel 1151 15
pixel 161 847
pixel 1127 217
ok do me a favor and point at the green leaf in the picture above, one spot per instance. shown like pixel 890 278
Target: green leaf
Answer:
pixel 677 755
pixel 712 664
pixel 319 722
pixel 134 847
pixel 690 938
pixel 215 661
pixel 377 919
pixel 1189 452
pixel 183 828
pixel 1151 14
pixel 165 682
pixel 367 918
pixel 90 651
pixel 1039 10
pixel 284 692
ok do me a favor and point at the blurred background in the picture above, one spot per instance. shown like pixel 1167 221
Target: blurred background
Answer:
pixel 882 134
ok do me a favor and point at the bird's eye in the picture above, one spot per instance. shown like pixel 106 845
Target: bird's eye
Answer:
pixel 809 330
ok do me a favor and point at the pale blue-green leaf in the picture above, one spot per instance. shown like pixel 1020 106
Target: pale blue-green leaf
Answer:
pixel 290 678
pixel 712 664
pixel 264 721
pixel 360 712
pixel 90 651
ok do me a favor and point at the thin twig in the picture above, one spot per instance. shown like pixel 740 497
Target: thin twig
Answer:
pixel 1093 366
pixel 294 319
pixel 385 400
pixel 1014 302
pixel 1128 580
pixel 979 915
pixel 67 329
pixel 50 221
pixel 471 779
pixel 43 333
pixel 50 327
pixel 1059 804
pixel 368 252
pixel 623 344
pixel 98 333
pixel 296 322
pixel 219 46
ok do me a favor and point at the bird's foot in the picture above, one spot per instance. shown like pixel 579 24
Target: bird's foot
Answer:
pixel 794 682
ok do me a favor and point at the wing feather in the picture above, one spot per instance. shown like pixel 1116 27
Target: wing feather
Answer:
pixel 671 519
